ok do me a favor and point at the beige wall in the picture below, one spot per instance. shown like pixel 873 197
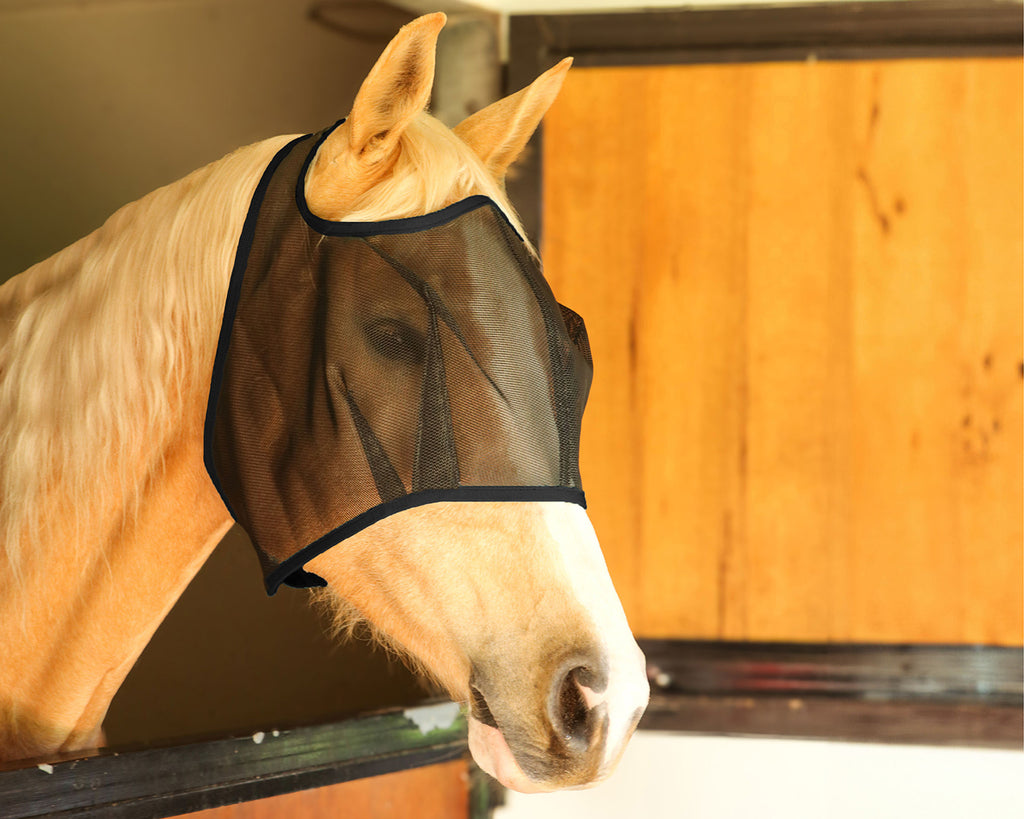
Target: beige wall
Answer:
pixel 665 776
pixel 103 101
pixel 565 6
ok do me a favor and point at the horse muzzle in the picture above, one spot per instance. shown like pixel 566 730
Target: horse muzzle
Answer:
pixel 573 732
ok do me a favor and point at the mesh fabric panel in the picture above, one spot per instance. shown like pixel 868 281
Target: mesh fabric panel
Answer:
pixel 365 368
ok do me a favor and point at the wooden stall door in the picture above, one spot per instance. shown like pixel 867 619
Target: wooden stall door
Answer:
pixel 803 289
pixel 433 792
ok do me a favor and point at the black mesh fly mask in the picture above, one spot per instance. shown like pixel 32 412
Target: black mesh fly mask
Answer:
pixel 366 368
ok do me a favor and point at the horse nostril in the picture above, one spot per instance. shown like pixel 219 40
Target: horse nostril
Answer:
pixel 570 714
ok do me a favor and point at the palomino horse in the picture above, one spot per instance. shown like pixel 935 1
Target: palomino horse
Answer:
pixel 106 351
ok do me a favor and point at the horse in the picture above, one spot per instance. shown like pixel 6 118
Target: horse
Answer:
pixel 106 351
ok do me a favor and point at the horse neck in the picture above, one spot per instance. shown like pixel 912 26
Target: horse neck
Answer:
pixel 85 592
pixel 71 631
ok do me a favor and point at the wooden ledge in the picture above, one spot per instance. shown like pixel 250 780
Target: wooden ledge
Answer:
pixel 159 782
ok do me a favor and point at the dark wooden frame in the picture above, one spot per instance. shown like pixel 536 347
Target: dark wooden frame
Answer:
pixel 918 694
pixel 149 783
pixel 827 31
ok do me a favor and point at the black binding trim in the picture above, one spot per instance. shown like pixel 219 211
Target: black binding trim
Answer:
pixel 291 573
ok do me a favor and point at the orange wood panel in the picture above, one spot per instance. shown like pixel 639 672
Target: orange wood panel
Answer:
pixel 802 284
pixel 433 792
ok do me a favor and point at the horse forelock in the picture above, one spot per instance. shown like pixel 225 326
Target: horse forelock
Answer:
pixel 433 168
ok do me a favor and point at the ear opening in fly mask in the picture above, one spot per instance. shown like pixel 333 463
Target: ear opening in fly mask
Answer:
pixel 367 368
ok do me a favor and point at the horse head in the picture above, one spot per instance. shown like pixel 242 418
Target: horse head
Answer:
pixel 507 604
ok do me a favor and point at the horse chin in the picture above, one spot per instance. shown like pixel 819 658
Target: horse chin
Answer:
pixel 491 752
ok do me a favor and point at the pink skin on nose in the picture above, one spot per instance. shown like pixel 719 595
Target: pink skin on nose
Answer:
pixel 492 754
pixel 590 697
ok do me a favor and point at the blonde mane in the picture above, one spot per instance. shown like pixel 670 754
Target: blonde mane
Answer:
pixel 107 344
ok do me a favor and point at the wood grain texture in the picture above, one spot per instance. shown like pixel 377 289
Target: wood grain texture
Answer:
pixel 434 792
pixel 802 284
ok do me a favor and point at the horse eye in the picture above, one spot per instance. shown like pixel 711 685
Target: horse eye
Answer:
pixel 395 340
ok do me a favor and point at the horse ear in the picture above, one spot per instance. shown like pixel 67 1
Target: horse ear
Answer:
pixel 396 89
pixel 499 132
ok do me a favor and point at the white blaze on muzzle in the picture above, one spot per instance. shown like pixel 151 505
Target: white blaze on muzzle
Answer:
pixel 364 368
